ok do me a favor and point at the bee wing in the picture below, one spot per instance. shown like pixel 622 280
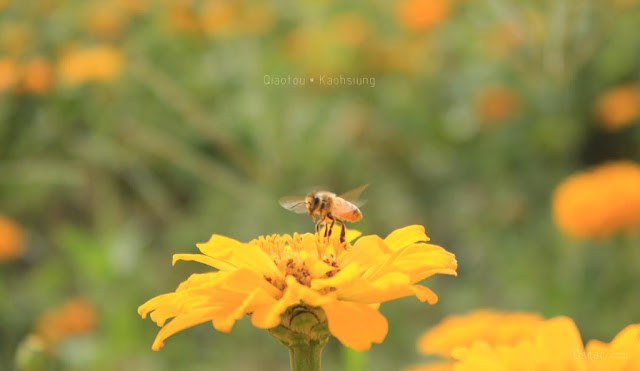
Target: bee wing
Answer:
pixel 296 204
pixel 353 195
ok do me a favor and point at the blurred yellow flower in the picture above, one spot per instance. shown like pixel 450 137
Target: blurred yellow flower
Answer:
pixel 619 107
pixel 99 63
pixel 422 15
pixel 622 353
pixel 37 76
pixel 9 73
pixel 497 103
pixel 105 19
pixel 15 37
pixel 12 239
pixel 352 28
pixel 76 316
pixel 219 17
pixel 555 345
pixel 272 277
pixel 433 366
pixel 599 202
pixel 492 327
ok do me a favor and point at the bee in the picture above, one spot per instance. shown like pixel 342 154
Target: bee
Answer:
pixel 328 207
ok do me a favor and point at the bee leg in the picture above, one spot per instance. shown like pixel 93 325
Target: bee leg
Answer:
pixel 343 229
pixel 327 232
pixel 318 226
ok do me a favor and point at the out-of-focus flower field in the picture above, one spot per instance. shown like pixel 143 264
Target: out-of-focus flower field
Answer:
pixel 130 130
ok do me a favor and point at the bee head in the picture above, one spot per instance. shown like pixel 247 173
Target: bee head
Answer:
pixel 313 202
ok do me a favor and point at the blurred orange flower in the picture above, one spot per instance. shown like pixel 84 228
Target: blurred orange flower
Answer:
pixel 76 316
pixel 233 17
pixel 220 17
pixel 12 239
pixel 9 73
pixel 181 15
pixel 275 278
pixel 421 15
pixel 99 63
pixel 555 345
pixel 619 107
pixel 599 202
pixel 37 76
pixel 497 103
pixel 485 325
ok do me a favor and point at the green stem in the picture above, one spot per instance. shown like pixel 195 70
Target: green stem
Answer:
pixel 306 357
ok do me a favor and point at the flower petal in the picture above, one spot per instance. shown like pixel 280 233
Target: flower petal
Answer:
pixel 182 322
pixel 356 325
pixel 406 236
pixel 219 247
pixel 204 259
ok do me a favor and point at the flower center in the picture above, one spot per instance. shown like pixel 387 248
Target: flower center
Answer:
pixel 293 256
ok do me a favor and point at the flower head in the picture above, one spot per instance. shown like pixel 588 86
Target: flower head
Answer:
pixel 619 107
pixel 554 345
pixel 99 63
pixel 485 325
pixel 76 316
pixel 600 201
pixel 9 73
pixel 496 104
pixel 12 239
pixel 37 76
pixel 422 15
pixel 270 278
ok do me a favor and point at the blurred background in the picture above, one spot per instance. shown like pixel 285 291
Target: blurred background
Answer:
pixel 132 129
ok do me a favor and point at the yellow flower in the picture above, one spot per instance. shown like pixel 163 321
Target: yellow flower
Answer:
pixel 555 345
pixel 99 63
pixel 270 278
pixel 434 366
pixel 600 201
pixel 492 327
pixel 619 107
pixel 76 316
pixel 12 239
pixel 623 353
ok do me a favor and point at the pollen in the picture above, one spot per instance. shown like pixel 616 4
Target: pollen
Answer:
pixel 296 255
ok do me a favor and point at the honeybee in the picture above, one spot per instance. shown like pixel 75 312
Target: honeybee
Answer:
pixel 328 207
